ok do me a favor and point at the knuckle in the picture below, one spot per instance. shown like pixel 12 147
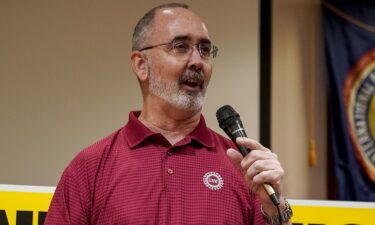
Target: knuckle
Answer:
pixel 257 165
pixel 248 173
pixel 243 164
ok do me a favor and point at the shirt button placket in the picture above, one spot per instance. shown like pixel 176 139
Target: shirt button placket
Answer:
pixel 168 154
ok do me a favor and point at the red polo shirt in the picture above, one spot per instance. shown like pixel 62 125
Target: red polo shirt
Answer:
pixel 135 176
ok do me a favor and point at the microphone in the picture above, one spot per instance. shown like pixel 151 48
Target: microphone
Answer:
pixel 229 120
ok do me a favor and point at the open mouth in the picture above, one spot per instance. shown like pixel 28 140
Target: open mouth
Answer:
pixel 193 84
pixel 192 81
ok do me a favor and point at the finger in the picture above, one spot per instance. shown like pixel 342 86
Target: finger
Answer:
pixel 255 155
pixel 235 157
pixel 260 166
pixel 250 143
pixel 272 177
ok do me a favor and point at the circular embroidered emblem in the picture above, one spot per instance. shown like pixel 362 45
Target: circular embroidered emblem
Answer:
pixel 359 92
pixel 213 181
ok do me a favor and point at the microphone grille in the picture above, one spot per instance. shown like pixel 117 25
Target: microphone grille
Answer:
pixel 224 113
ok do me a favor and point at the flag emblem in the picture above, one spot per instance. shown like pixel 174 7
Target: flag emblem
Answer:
pixel 359 95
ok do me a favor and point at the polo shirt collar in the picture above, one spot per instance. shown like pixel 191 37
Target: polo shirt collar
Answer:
pixel 136 132
pixel 202 134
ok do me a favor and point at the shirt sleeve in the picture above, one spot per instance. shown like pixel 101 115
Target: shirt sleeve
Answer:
pixel 70 203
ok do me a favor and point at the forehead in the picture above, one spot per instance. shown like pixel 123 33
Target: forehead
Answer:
pixel 173 22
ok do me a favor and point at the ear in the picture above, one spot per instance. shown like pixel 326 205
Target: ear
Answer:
pixel 139 64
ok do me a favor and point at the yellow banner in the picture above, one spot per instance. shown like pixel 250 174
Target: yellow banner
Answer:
pixel 333 212
pixel 28 205
pixel 24 205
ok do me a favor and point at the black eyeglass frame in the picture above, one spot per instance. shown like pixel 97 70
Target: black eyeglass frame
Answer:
pixel 213 51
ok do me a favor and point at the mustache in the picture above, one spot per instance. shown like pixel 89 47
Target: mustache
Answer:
pixel 196 75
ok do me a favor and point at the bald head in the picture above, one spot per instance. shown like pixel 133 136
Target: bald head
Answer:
pixel 144 25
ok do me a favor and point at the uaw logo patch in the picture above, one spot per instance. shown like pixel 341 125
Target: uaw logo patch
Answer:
pixel 213 181
pixel 359 93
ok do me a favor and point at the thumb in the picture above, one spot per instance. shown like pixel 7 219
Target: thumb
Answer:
pixel 235 157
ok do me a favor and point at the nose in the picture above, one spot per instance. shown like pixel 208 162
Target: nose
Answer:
pixel 195 60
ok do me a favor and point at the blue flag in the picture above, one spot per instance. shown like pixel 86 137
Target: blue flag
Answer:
pixel 349 28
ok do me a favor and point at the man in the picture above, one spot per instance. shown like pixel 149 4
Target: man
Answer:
pixel 165 166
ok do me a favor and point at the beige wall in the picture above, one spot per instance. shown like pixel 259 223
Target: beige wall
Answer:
pixel 65 79
pixel 298 59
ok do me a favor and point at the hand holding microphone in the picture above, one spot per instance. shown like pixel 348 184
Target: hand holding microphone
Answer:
pixel 261 167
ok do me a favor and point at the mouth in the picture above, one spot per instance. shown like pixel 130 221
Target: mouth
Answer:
pixel 192 85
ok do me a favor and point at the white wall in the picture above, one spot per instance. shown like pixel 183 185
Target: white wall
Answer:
pixel 66 81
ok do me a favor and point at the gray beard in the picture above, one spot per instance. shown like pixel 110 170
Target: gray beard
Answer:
pixel 171 93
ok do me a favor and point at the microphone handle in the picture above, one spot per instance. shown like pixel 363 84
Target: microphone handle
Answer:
pixel 244 151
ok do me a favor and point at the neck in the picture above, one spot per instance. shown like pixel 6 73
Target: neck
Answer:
pixel 174 124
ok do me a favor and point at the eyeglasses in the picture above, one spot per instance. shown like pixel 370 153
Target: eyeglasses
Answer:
pixel 183 48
